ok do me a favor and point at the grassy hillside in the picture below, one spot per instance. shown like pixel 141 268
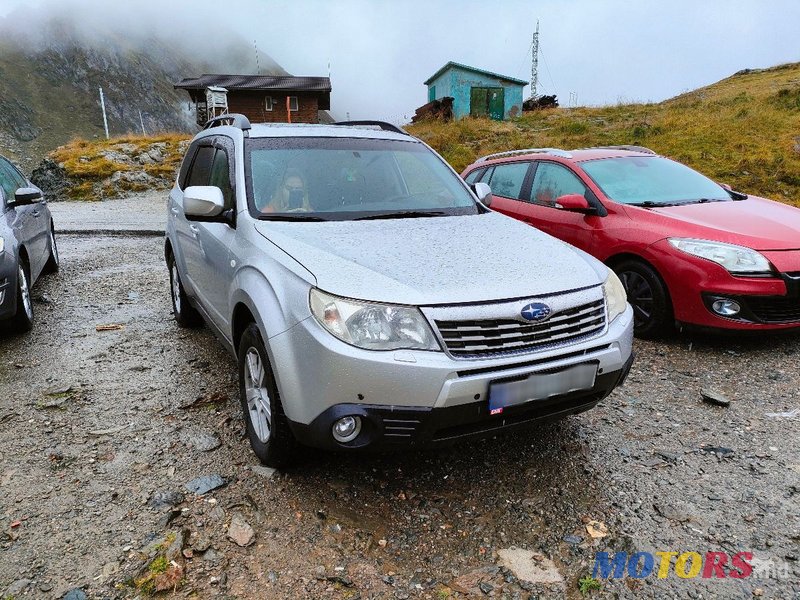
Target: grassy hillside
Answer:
pixel 743 130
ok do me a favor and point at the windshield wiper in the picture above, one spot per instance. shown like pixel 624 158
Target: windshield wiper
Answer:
pixel 289 218
pixel 651 204
pixel 405 214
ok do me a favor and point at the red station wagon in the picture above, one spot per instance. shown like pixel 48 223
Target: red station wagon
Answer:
pixel 689 251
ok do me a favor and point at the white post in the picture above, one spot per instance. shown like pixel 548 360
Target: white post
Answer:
pixel 142 123
pixel 103 106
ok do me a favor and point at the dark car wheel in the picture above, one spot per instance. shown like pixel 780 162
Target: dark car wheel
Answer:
pixel 54 262
pixel 186 315
pixel 647 294
pixel 267 426
pixel 23 319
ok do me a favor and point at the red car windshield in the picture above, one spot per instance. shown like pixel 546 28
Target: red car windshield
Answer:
pixel 652 181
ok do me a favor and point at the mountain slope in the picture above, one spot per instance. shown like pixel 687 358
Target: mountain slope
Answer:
pixel 743 130
pixel 49 84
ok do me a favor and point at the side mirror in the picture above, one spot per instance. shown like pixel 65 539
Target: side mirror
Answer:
pixel 203 201
pixel 573 202
pixel 27 195
pixel 483 192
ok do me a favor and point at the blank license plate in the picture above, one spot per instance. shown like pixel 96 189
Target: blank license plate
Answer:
pixel 541 386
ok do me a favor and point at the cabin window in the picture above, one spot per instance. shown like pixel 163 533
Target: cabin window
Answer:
pixel 269 103
pixel 293 104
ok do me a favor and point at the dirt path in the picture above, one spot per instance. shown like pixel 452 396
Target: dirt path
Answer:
pixel 100 431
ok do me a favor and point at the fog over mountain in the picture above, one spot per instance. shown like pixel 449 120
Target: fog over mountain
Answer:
pixel 52 63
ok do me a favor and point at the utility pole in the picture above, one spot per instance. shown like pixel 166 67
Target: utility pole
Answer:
pixel 258 67
pixel 535 63
pixel 103 106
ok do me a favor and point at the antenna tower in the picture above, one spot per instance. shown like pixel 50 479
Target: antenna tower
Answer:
pixel 535 63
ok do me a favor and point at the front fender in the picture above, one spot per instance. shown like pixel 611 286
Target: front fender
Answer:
pixel 277 303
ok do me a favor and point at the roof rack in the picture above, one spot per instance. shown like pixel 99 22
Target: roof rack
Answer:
pixel 234 119
pixel 381 124
pixel 626 147
pixel 553 151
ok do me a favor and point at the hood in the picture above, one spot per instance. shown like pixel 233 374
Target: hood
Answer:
pixel 436 260
pixel 757 223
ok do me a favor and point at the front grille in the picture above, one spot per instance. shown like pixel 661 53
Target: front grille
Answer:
pixel 486 337
pixel 774 309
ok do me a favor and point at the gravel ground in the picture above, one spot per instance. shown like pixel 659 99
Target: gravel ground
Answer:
pixel 100 432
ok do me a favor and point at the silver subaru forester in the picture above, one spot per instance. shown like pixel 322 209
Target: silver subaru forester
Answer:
pixel 373 300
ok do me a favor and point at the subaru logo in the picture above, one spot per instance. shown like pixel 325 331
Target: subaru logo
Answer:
pixel 535 311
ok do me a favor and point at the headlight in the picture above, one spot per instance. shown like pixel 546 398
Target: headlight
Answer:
pixel 736 259
pixel 372 326
pixel 616 296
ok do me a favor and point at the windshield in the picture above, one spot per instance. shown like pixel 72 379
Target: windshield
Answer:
pixel 306 178
pixel 652 181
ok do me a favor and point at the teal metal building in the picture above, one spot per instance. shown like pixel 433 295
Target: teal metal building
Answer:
pixel 477 92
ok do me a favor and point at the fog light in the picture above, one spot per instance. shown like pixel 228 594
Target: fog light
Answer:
pixel 726 307
pixel 346 429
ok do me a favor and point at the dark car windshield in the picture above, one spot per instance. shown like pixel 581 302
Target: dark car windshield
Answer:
pixel 652 181
pixel 317 179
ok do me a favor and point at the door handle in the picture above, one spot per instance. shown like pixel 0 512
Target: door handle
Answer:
pixel 194 229
pixel 174 210
pixel 36 213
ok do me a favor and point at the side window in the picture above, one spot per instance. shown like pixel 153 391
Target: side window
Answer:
pixel 186 165
pixel 201 167
pixel 10 180
pixel 474 176
pixel 221 178
pixel 551 181
pixel 508 178
pixel 487 176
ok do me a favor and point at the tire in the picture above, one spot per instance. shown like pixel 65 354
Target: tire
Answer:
pixel 54 262
pixel 186 315
pixel 22 320
pixel 267 426
pixel 649 297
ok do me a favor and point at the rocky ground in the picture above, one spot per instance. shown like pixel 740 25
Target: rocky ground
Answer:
pixel 124 470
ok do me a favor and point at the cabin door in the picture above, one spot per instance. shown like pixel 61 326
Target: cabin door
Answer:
pixel 487 102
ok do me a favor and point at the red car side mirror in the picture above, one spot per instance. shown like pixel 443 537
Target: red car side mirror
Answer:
pixel 573 202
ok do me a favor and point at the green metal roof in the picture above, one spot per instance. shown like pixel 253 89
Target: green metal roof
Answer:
pixel 452 64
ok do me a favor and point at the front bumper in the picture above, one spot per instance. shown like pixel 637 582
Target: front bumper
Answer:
pixel 319 376
pixel 8 286
pixel 390 427
pixel 769 303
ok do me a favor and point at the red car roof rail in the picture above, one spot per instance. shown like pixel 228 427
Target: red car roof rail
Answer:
pixel 625 147
pixel 552 151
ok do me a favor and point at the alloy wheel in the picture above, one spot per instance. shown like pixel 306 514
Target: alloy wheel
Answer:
pixel 25 292
pixel 258 401
pixel 176 289
pixel 640 296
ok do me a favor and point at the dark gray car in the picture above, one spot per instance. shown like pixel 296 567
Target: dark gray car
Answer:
pixel 27 246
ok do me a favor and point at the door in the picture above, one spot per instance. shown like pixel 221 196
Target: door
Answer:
pixel 214 272
pixel 550 181
pixel 487 102
pixel 510 183
pixel 186 231
pixel 497 100
pixel 28 222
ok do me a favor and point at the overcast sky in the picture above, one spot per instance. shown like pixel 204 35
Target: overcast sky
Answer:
pixel 381 51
